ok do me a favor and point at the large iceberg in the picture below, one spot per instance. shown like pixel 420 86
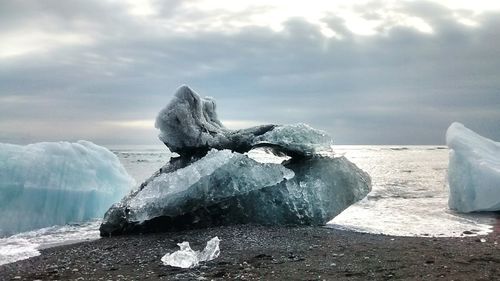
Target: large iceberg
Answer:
pixel 45 184
pixel 213 181
pixel 473 172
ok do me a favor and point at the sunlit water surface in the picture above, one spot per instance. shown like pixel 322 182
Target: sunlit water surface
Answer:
pixel 409 197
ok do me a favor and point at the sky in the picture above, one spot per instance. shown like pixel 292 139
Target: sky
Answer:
pixel 367 72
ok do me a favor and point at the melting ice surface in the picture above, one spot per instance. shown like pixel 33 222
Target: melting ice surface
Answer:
pixel 187 257
pixel 164 194
pixel 55 183
pixel 225 187
pixel 474 171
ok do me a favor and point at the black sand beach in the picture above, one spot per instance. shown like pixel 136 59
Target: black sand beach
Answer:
pixel 250 252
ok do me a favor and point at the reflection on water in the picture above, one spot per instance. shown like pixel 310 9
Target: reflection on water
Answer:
pixel 409 196
pixel 141 161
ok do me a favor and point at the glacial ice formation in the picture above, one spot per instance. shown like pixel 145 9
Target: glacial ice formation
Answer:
pixel 473 172
pixel 187 258
pixel 45 184
pixel 189 125
pixel 213 183
pixel 230 174
pixel 228 187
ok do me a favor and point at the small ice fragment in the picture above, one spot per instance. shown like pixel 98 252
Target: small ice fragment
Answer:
pixel 482 240
pixel 187 258
pixel 184 258
pixel 211 251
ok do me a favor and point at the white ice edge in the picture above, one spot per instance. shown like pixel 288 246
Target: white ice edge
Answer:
pixel 473 171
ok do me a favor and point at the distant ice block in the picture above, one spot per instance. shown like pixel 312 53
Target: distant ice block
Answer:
pixel 187 258
pixel 473 172
pixel 46 184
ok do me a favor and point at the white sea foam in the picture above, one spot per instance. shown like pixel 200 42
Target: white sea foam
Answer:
pixel 27 244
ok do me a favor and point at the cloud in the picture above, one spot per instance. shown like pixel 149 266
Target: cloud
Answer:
pixel 121 64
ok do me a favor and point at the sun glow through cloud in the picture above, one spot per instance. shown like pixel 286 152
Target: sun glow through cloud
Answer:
pixel 275 13
pixel 137 124
pixel 361 70
pixel 18 44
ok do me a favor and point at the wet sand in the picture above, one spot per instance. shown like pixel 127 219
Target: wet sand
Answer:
pixel 250 252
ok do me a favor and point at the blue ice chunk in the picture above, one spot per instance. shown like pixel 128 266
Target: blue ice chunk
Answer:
pixel 53 183
pixel 473 171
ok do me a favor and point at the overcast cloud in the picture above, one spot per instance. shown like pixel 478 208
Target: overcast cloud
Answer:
pixel 378 72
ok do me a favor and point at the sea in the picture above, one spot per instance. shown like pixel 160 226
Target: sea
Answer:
pixel 409 197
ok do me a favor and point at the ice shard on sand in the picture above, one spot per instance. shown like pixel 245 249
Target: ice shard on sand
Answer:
pixel 187 257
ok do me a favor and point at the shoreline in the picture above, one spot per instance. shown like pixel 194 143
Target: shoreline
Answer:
pixel 253 252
